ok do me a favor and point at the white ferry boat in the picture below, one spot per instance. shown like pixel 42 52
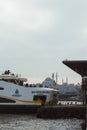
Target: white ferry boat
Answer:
pixel 18 96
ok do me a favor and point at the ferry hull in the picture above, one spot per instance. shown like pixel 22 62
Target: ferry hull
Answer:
pixel 19 109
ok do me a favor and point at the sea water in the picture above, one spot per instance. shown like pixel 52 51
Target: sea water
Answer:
pixel 31 122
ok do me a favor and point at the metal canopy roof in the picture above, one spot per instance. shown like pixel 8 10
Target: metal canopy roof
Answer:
pixel 78 66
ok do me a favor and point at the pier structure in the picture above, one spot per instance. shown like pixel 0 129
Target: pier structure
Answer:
pixel 80 67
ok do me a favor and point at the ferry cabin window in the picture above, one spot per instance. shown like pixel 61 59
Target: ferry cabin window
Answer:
pixel 9 80
pixel 1 88
pixel 18 82
pixel 41 92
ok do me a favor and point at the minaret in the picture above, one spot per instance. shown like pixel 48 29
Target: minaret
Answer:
pixel 66 80
pixel 53 76
pixel 52 79
pixel 56 78
pixel 62 81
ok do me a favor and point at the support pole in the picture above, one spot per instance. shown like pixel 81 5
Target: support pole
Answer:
pixel 84 90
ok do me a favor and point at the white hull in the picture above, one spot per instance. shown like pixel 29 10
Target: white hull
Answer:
pixel 14 95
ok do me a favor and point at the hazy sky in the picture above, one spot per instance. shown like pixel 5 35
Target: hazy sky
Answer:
pixel 37 35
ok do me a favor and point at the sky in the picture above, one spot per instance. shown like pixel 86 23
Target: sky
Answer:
pixel 37 35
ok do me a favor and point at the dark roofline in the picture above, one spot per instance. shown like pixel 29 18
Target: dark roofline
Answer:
pixel 79 66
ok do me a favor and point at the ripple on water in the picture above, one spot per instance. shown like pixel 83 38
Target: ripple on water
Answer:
pixel 29 122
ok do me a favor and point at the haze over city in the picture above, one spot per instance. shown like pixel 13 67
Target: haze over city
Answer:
pixel 37 35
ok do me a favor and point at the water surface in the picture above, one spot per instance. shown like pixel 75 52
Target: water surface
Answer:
pixel 30 122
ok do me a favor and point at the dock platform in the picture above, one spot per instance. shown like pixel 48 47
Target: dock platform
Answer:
pixel 61 112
